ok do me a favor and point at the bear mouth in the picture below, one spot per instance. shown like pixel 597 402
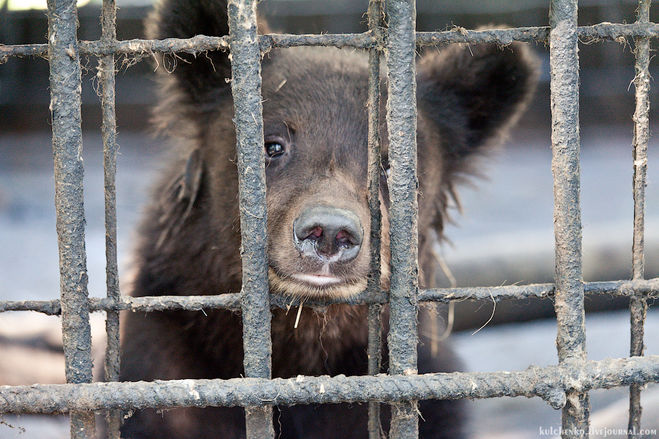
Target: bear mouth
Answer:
pixel 317 280
pixel 314 285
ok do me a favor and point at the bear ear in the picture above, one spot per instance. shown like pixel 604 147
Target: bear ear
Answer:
pixel 473 93
pixel 196 75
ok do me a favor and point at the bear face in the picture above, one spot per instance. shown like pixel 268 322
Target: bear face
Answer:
pixel 318 217
pixel 315 138
pixel 315 133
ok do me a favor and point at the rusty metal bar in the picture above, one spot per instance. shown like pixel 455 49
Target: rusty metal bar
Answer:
pixel 65 90
pixel 569 297
pixel 109 131
pixel 200 44
pixel 550 383
pixel 627 288
pixel 638 304
pixel 375 12
pixel 248 118
pixel 403 184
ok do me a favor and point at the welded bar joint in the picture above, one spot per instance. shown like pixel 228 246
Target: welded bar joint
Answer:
pixel 255 306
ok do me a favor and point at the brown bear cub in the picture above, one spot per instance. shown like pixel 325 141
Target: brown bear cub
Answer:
pixel 315 131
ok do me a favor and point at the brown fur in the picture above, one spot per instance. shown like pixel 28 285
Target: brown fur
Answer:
pixel 313 104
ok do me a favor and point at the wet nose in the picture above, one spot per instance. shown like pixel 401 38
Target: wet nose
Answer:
pixel 328 233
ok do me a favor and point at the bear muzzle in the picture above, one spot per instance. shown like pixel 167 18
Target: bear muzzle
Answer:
pixel 327 234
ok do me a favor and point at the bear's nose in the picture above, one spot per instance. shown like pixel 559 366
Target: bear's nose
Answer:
pixel 328 233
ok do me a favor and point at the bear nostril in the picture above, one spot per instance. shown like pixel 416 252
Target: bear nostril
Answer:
pixel 325 232
pixel 345 239
pixel 315 233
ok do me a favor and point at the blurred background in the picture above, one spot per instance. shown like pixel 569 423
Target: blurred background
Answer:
pixel 504 235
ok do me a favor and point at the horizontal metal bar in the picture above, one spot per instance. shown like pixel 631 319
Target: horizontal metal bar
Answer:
pixel 365 40
pixel 511 292
pixel 627 288
pixel 200 43
pixel 194 45
pixel 135 47
pixel 549 383
pixel 600 31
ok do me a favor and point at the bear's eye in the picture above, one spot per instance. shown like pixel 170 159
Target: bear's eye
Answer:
pixel 274 149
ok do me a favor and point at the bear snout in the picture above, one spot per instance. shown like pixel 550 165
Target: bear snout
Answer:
pixel 328 234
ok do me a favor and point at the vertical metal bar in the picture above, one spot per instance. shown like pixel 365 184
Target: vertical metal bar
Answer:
pixel 65 89
pixel 403 185
pixel 109 130
pixel 374 364
pixel 375 12
pixel 569 301
pixel 638 304
pixel 246 88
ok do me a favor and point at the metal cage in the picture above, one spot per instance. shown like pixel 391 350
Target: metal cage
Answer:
pixel 564 386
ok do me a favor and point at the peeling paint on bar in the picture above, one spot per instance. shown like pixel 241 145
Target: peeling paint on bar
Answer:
pixel 65 91
pixel 549 383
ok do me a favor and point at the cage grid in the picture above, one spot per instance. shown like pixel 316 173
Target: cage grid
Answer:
pixel 564 386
